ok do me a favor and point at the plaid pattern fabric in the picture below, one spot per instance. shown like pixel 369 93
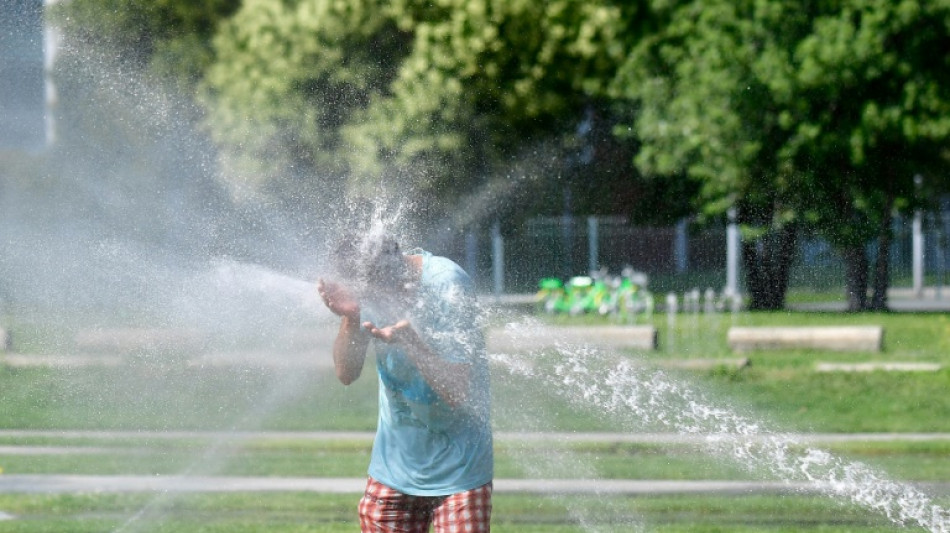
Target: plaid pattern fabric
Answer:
pixel 384 510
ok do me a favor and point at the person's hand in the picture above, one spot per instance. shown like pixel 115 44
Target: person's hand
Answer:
pixel 399 333
pixel 339 299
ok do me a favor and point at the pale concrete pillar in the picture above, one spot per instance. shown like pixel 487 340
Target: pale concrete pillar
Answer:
pixel 593 248
pixel 498 259
pixel 917 251
pixel 732 254
pixel 681 247
pixel 52 41
pixel 471 253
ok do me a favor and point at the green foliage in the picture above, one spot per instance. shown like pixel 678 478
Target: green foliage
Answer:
pixel 701 84
pixel 705 114
pixel 171 37
pixel 441 99
pixel 810 115
pixel 870 104
pixel 447 99
pixel 484 80
pixel 287 76
pixel 817 114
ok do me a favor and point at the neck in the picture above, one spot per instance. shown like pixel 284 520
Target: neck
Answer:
pixel 415 266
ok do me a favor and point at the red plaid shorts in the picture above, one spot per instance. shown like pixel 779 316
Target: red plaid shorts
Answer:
pixel 385 510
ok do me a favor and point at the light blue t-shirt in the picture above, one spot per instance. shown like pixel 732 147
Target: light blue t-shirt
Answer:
pixel 424 447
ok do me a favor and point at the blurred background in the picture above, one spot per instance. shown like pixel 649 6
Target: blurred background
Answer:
pixel 782 150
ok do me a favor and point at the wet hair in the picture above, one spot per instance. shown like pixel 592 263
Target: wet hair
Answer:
pixel 370 259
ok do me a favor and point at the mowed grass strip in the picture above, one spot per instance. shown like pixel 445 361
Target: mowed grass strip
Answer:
pixel 921 461
pixel 336 459
pixel 303 512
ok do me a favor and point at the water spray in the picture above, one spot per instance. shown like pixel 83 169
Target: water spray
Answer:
pixel 624 391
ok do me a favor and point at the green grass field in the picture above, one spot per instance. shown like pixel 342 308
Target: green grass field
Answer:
pixel 782 389
pixel 332 513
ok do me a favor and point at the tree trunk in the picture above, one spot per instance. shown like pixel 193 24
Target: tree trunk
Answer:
pixel 767 262
pixel 856 274
pixel 881 281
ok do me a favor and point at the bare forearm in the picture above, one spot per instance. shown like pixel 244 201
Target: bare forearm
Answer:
pixel 449 380
pixel 349 351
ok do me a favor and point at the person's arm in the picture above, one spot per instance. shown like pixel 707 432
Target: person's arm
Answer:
pixel 450 380
pixel 349 348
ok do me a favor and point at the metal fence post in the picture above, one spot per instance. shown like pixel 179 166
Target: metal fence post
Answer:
pixel 732 254
pixel 681 247
pixel 498 259
pixel 917 247
pixel 593 252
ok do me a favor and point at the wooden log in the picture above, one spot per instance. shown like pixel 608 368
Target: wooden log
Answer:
pixel 833 338
pixel 529 338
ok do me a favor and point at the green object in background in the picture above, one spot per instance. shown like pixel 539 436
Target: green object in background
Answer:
pixel 550 293
pixel 578 289
pixel 624 298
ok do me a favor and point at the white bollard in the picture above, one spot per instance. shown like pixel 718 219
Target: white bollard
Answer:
pixel 709 301
pixel 672 304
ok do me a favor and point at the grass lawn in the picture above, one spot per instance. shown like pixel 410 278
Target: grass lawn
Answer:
pixel 784 387
pixel 779 387
pixel 163 393
pixel 303 512
pixel 261 455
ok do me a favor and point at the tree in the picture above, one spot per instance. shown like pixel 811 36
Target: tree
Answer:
pixel 487 83
pixel 170 38
pixel 805 115
pixel 866 105
pixel 704 114
pixel 306 98
pixel 287 77
pixel 447 100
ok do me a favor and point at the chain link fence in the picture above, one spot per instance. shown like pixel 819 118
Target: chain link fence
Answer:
pixel 676 258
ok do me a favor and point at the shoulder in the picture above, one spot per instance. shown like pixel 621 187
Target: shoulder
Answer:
pixel 442 270
pixel 442 274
